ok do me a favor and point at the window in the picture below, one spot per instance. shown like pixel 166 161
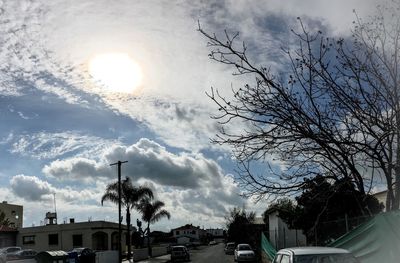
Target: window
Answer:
pixel 285 259
pixel 28 240
pixel 177 232
pixel 77 241
pixel 53 239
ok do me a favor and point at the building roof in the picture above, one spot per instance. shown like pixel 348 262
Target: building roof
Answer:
pixel 94 225
pixel 187 226
pixel 7 229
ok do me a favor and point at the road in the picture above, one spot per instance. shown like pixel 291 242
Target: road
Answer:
pixel 209 254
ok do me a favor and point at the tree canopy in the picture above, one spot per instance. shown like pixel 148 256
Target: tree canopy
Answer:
pixel 324 210
pixel 152 211
pixel 334 110
pixel 238 224
pixel 4 221
pixel 130 198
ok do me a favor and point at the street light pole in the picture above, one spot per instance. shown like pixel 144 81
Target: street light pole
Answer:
pixel 119 210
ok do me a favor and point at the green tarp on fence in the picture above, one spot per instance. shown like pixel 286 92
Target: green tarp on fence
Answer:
pixel 267 248
pixel 377 240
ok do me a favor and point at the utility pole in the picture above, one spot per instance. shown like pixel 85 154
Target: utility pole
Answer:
pixel 119 210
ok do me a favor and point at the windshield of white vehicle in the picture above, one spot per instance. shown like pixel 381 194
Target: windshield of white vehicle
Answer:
pixel 244 247
pixel 326 258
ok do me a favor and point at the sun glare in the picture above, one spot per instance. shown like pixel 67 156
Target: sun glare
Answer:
pixel 116 72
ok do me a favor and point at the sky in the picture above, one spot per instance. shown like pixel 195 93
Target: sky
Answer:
pixel 64 119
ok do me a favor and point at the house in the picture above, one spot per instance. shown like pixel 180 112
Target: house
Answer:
pixel 97 235
pixel 216 232
pixel 189 233
pixel 8 236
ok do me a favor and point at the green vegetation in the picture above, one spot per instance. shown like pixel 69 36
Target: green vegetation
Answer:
pixel 130 198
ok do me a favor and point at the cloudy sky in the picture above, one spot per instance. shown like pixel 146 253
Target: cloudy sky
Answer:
pixel 65 117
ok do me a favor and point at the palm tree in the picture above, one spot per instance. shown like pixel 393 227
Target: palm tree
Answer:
pixel 151 212
pixel 130 197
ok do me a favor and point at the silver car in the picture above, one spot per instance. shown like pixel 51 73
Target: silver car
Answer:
pixel 244 253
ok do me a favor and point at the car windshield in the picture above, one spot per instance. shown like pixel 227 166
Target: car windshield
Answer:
pixel 178 249
pixel 325 258
pixel 244 247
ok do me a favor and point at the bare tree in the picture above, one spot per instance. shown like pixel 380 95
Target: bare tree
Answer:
pixel 336 113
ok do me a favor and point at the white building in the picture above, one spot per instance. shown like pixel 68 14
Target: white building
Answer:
pixel 281 236
pixel 215 232
pixel 193 233
pixel 97 235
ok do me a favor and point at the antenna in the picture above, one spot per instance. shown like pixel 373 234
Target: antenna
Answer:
pixel 55 207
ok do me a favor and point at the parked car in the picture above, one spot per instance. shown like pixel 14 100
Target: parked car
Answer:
pixel 314 254
pixel 179 253
pixel 229 248
pixel 169 248
pixel 212 242
pixel 244 253
pixel 5 251
pixel 84 254
pixel 21 254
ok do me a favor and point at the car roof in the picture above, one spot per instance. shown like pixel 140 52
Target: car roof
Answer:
pixel 313 250
pixel 178 246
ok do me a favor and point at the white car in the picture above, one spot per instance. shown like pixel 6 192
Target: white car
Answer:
pixel 314 255
pixel 5 251
pixel 244 253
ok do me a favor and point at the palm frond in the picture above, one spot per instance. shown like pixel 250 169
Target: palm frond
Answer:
pixel 110 196
pixel 157 217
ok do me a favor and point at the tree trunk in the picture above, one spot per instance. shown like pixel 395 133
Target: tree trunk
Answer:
pixel 128 236
pixel 148 240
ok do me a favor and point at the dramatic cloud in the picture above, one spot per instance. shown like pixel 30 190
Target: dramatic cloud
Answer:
pixel 31 187
pixel 146 159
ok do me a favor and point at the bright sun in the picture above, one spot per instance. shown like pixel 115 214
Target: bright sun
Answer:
pixel 116 72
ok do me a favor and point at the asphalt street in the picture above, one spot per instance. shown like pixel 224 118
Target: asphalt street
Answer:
pixel 208 254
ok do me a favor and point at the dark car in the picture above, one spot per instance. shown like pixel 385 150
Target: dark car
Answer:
pixel 83 255
pixel 179 253
pixel 21 254
pixel 229 248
